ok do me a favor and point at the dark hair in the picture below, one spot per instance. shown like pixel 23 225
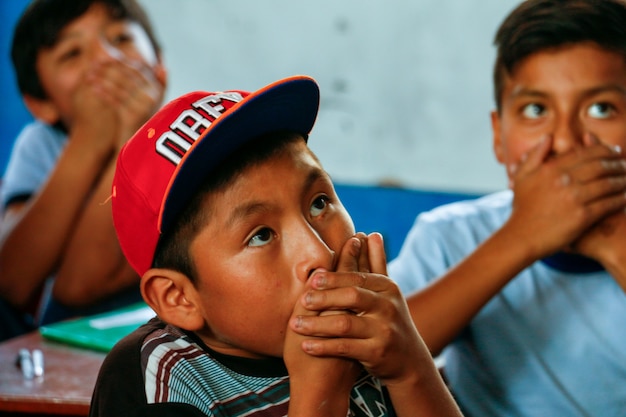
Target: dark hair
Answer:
pixel 43 20
pixel 537 25
pixel 172 251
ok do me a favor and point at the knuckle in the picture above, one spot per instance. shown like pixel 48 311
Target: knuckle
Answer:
pixel 616 183
pixel 393 287
pixel 353 295
pixel 344 324
pixel 582 214
pixel 343 348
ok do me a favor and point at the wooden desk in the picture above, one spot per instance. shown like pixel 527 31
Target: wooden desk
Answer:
pixel 64 389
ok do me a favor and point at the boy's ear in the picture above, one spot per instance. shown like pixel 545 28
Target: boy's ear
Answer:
pixel 42 109
pixel 497 138
pixel 173 298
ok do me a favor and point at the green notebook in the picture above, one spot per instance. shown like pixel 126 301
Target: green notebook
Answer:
pixel 99 332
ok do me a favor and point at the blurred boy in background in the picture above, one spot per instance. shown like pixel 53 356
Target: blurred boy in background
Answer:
pixel 91 74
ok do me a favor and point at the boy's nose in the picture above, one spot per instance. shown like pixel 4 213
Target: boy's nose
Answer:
pixel 311 253
pixel 567 135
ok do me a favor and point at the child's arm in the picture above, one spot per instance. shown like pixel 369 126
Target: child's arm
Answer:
pixel 606 243
pixel 556 199
pixel 380 333
pixel 93 249
pixel 318 386
pixel 34 233
pixel 66 224
pixel 605 240
pixel 134 93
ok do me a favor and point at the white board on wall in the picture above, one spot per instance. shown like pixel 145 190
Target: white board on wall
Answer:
pixel 406 85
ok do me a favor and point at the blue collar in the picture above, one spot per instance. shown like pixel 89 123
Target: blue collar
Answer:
pixel 572 263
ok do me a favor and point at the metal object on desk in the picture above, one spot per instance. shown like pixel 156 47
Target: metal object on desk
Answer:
pixel 31 363
pixel 25 362
pixel 64 389
pixel 38 367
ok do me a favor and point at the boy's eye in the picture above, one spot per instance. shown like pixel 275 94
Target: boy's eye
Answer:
pixel 533 111
pixel 319 205
pixel 261 237
pixel 121 38
pixel 69 54
pixel 600 110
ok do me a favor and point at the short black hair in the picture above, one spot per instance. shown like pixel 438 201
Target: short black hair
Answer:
pixel 172 250
pixel 538 25
pixel 42 22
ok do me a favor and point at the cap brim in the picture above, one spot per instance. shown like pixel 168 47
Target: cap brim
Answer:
pixel 288 104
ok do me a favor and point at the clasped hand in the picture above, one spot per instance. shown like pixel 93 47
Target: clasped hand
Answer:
pixel 358 313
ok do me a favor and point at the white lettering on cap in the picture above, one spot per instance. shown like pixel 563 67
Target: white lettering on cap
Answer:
pixel 190 124
pixel 172 146
pixel 216 110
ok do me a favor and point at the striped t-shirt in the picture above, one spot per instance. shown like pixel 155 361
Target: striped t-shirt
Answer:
pixel 178 370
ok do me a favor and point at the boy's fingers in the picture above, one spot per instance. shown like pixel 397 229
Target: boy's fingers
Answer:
pixel 363 261
pixel 349 255
pixel 346 348
pixel 160 74
pixel 354 291
pixel 354 255
pixel 341 324
pixel 535 157
pixel 590 139
pixel 328 280
pixel 377 256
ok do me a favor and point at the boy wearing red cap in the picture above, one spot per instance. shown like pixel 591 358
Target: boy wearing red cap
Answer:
pixel 267 302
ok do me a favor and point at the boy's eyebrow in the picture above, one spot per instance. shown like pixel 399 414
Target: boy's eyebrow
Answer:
pixel 620 89
pixel 521 91
pixel 253 207
pixel 68 36
pixel 65 35
pixel 243 211
pixel 315 175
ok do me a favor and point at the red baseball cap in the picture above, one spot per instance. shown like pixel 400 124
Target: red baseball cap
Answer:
pixel 160 168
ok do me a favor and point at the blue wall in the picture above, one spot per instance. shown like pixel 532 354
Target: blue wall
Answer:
pixel 390 211
pixel 13 114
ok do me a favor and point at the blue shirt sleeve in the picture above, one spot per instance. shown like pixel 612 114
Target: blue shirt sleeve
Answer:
pixel 34 155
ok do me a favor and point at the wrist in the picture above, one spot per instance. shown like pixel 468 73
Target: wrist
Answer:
pixel 427 393
pixel 90 143
pixel 312 402
pixel 521 250
pixel 322 391
pixel 615 265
